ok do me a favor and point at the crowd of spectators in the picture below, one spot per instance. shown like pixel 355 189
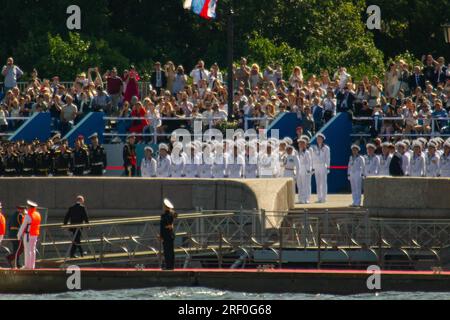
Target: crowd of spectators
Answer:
pixel 411 95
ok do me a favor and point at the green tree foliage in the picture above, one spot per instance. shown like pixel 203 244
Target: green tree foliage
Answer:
pixel 314 34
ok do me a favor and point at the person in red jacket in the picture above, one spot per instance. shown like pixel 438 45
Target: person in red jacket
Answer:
pixel 2 225
pixel 139 112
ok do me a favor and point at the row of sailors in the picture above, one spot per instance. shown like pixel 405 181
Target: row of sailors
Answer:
pixel 249 160
pixel 421 159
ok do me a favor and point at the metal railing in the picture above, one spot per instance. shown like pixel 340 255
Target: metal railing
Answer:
pixel 144 86
pixel 378 122
pixel 153 131
pixel 11 127
pixel 236 239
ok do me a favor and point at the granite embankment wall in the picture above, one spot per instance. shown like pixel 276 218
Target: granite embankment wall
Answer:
pixel 421 198
pixel 125 197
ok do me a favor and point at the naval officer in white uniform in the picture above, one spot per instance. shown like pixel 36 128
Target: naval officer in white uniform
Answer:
pixel 251 160
pixel 356 169
pixel 304 172
pixel 149 164
pixel 164 161
pixel 385 160
pixel 432 161
pixel 418 161
pixel 291 166
pixel 178 159
pixel 372 161
pixel 445 161
pixel 321 159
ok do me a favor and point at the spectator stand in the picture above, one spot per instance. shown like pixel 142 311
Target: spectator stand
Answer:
pixel 36 127
pixel 92 123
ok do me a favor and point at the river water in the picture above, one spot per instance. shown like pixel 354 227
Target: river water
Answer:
pixel 208 294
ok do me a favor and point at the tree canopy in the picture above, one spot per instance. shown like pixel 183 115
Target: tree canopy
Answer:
pixel 315 34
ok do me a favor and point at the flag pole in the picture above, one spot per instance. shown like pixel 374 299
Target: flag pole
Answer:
pixel 230 59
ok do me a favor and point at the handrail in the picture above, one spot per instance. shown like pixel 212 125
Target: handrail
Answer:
pixel 132 221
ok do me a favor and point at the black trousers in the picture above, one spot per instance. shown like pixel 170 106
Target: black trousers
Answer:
pixel 130 173
pixel 169 253
pixel 78 172
pixel 97 171
pixel 17 250
pixel 76 236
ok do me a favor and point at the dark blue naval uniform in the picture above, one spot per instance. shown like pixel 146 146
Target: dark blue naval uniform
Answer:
pixel 168 238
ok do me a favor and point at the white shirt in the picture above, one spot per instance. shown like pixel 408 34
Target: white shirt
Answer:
pixel 149 168
pixel 251 167
pixel 269 165
pixel 192 169
pixel 205 169
pixel 432 165
pixel 304 163
pixel 385 163
pixel 178 165
pixel 321 157
pixel 234 166
pixel 218 168
pixel 25 224
pixel 445 166
pixel 406 163
pixel 417 166
pixel 198 75
pixel 356 166
pixel 372 165
pixel 164 166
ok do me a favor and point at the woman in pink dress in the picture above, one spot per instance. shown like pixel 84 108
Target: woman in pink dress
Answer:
pixel 131 79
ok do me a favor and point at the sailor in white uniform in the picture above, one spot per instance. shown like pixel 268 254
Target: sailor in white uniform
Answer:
pixel 304 172
pixel 194 159
pixel 308 149
pixel 269 161
pixel 432 161
pixel 406 157
pixel 372 162
pixel 234 164
pixel 282 154
pixel 178 159
pixel 418 161
pixel 445 161
pixel 385 160
pixel 291 166
pixel 208 161
pixel 251 161
pixel 148 164
pixel 218 169
pixel 164 162
pixel 321 159
pixel 409 150
pixel 356 169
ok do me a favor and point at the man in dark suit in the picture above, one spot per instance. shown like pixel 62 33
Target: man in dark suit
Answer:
pixel 440 76
pixel 396 166
pixel 345 100
pixel 417 79
pixel 76 215
pixel 159 78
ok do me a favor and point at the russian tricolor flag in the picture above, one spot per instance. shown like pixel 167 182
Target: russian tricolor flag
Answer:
pixel 204 8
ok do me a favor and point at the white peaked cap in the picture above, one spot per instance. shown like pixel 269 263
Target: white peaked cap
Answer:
pixel 168 204
pixel 163 146
pixel 32 204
